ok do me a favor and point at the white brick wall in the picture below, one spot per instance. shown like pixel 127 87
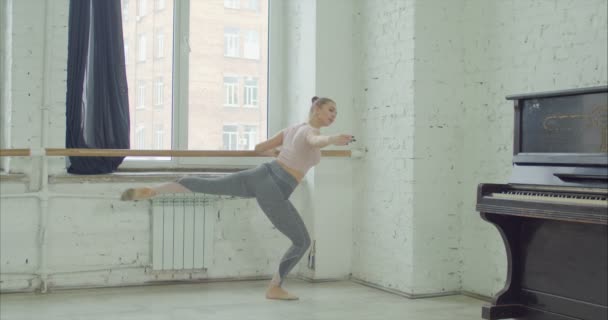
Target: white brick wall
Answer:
pixel 516 47
pixel 383 227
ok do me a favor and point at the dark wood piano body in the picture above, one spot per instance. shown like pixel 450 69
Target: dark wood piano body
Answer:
pixel 553 213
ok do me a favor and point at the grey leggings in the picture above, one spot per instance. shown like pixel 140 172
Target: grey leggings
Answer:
pixel 271 185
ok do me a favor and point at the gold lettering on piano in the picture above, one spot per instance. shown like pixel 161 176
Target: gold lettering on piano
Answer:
pixel 597 119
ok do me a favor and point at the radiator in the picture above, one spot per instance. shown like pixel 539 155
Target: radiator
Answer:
pixel 182 232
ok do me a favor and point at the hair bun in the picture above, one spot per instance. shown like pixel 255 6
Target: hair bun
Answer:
pixel 314 99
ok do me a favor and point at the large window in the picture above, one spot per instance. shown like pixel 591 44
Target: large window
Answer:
pixel 197 74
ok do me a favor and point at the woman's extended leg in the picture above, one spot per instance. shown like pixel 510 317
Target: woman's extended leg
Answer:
pixel 240 184
pixel 286 219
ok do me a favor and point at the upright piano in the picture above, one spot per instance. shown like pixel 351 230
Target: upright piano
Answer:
pixel 553 213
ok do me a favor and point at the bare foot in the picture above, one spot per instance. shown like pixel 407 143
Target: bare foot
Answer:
pixel 277 293
pixel 137 194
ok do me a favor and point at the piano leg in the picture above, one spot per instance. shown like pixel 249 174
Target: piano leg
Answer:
pixel 506 303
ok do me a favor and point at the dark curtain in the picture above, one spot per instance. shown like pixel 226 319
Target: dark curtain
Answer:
pixel 97 104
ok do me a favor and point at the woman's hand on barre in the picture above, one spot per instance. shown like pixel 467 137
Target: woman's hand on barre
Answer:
pixel 341 139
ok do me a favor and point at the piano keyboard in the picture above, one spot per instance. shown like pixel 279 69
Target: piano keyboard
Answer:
pixel 592 200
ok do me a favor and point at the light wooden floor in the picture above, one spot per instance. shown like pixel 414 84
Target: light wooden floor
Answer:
pixel 235 301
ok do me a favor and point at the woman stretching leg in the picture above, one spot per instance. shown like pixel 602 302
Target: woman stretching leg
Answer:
pixel 271 183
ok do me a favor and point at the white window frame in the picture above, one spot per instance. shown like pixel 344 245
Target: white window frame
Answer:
pixel 179 136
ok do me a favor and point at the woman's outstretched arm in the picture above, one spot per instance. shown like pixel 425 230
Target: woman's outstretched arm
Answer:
pixel 268 147
pixel 320 141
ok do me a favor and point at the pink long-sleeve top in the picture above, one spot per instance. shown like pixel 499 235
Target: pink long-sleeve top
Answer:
pixel 296 152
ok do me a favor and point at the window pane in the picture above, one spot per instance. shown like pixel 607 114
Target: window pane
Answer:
pixel 149 79
pixel 228 74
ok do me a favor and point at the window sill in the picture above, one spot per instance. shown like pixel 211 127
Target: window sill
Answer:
pixel 13 177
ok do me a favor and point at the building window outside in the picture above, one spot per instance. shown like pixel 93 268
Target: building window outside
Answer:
pixel 253 5
pixel 231 86
pixel 159 5
pixel 159 90
pixel 250 98
pixel 159 137
pixel 231 42
pixel 141 95
pixel 160 44
pixel 141 48
pixel 230 137
pixel 125 10
pixel 232 4
pixel 250 137
pixel 140 137
pixel 126 51
pixel 252 45
pixel 142 8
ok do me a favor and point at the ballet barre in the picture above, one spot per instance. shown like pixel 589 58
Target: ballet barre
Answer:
pixel 74 152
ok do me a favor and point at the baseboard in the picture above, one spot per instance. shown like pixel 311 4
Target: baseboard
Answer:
pixel 312 280
pixel 476 296
pixel 402 293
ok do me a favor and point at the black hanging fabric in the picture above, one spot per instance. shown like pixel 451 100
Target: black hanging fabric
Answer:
pixel 97 100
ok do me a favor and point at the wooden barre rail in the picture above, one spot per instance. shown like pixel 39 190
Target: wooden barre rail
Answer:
pixel 55 152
